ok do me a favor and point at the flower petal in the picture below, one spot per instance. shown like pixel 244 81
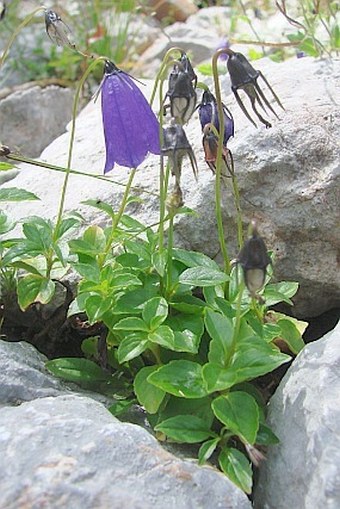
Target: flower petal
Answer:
pixel 131 128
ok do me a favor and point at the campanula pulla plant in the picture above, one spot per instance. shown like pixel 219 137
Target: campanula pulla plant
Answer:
pixel 210 147
pixel 131 128
pixel 181 92
pixel 57 30
pixel 208 114
pixel 176 146
pixel 254 260
pixel 244 77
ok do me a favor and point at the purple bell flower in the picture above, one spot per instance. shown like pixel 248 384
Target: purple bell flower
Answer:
pixel 131 128
pixel 208 114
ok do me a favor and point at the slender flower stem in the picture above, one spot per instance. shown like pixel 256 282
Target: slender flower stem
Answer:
pixel 238 210
pixel 237 322
pixel 17 31
pixel 169 249
pixel 119 214
pixel 219 218
pixel 42 164
pixel 72 134
pixel 161 70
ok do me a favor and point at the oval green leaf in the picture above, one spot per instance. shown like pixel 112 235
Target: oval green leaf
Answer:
pixel 239 412
pixel 202 276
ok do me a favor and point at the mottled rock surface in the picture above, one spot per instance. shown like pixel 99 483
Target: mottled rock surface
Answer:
pixel 69 451
pixel 31 119
pixel 303 471
pixel 289 180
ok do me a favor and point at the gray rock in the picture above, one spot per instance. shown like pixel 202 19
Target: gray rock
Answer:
pixel 69 451
pixel 23 376
pixel 288 177
pixel 303 471
pixel 31 119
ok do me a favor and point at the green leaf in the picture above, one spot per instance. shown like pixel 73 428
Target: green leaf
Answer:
pixel 89 347
pixel 265 436
pixel 67 224
pixel 101 205
pixel 188 330
pixel 239 412
pixel 34 288
pixel 74 369
pixel 95 236
pixel 237 468
pixel 200 407
pixel 290 332
pixel 159 260
pixel 202 276
pixel 121 406
pixel 132 346
pixel 96 306
pixel 6 224
pixel 15 194
pixel 280 292
pixel 131 323
pixel 162 336
pixel 218 378
pixel 134 300
pixel 155 312
pixel 181 378
pixel 6 166
pixel 185 428
pixel 193 259
pixel 88 271
pixel 254 357
pixel 207 449
pixel 188 304
pixel 148 395
pixel 220 329
pixel 27 267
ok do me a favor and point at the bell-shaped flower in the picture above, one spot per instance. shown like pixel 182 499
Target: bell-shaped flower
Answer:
pixel 208 114
pixel 57 30
pixel 131 128
pixel 244 76
pixel 254 260
pixel 210 146
pixel 176 146
pixel 181 94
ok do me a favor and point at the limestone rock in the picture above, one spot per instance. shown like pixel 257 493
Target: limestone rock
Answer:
pixel 23 376
pixel 31 119
pixel 69 451
pixel 288 178
pixel 303 471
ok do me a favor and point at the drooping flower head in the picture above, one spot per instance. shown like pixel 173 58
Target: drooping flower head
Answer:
pixel 254 260
pixel 210 147
pixel 181 90
pixel 57 30
pixel 208 114
pixel 244 76
pixel 131 128
pixel 176 146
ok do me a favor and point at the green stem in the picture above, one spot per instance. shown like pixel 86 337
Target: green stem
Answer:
pixel 119 214
pixel 17 31
pixel 218 198
pixel 70 150
pixel 161 70
pixel 169 257
pixel 237 323
pixel 41 164
pixel 238 210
